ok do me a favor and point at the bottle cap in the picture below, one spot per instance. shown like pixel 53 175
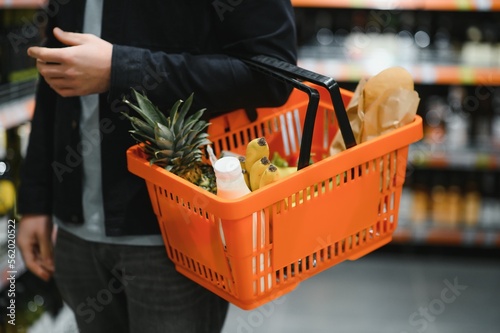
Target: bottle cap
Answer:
pixel 227 168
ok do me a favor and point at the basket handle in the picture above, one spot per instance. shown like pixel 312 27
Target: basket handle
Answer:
pixel 273 66
pixel 312 108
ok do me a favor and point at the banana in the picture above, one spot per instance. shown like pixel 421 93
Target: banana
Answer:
pixel 256 149
pixel 270 175
pixel 246 174
pixel 256 172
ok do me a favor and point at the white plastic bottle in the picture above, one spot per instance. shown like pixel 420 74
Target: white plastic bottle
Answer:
pixel 230 181
pixel 231 185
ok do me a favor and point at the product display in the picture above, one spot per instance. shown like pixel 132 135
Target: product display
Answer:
pixel 450 52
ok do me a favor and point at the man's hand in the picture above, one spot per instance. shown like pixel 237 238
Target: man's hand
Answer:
pixel 81 69
pixel 34 239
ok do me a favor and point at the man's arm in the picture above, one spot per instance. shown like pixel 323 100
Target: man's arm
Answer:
pixel 221 82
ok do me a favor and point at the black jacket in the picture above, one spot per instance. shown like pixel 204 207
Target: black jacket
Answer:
pixel 169 49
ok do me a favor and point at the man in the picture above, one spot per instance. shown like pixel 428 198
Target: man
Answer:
pixel 110 262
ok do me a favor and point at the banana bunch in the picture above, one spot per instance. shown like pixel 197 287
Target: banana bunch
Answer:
pixel 258 169
pixel 256 165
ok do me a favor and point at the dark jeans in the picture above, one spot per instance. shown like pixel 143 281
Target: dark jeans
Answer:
pixel 131 289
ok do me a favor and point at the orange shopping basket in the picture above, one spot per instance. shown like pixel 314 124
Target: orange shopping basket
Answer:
pixel 256 248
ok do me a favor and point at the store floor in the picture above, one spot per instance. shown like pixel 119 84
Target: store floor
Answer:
pixel 380 293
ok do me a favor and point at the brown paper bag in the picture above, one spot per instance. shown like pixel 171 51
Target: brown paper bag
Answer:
pixel 392 103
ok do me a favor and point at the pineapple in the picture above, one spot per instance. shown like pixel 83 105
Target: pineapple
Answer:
pixel 173 142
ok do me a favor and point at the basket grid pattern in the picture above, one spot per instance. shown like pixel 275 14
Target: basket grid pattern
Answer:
pixel 328 252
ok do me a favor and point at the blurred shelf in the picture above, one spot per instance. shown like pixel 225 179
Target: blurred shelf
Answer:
pixel 445 5
pixel 16 102
pixel 426 235
pixel 438 156
pixel 423 73
pixel 21 3
pixel 16 112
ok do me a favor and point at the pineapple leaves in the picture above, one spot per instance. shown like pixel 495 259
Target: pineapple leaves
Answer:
pixel 146 109
pixel 164 144
pixel 172 142
pixel 141 137
pixel 149 109
pixel 140 126
pixel 162 131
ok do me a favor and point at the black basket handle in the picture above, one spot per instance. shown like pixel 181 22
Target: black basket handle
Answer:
pixel 312 108
pixel 293 74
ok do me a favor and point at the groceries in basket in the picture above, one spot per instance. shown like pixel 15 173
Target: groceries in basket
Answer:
pixel 256 248
pixel 173 142
pixel 257 166
pixel 380 104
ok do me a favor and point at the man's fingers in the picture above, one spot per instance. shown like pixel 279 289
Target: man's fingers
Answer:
pixel 49 69
pixel 46 254
pixel 29 256
pixel 42 272
pixel 32 263
pixel 46 55
pixel 69 38
pixel 61 85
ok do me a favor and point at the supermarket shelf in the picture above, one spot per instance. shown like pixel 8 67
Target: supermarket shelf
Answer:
pixel 475 5
pixel 426 156
pixel 21 3
pixel 447 236
pixel 16 112
pixel 424 73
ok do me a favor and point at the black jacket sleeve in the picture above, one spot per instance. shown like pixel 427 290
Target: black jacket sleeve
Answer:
pixel 35 190
pixel 220 81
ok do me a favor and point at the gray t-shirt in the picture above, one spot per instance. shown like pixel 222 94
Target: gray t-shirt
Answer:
pixel 93 210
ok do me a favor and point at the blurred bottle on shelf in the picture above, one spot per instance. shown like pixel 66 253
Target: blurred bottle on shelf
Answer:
pixel 439 200
pixel 472 201
pixel 490 181
pixel 423 31
pixel 323 28
pixel 420 198
pixel 454 201
pixel 23 132
pixel 456 120
pixel 483 114
pixel 443 37
pixel 435 111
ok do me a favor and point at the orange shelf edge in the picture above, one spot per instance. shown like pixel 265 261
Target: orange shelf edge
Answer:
pixel 427 74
